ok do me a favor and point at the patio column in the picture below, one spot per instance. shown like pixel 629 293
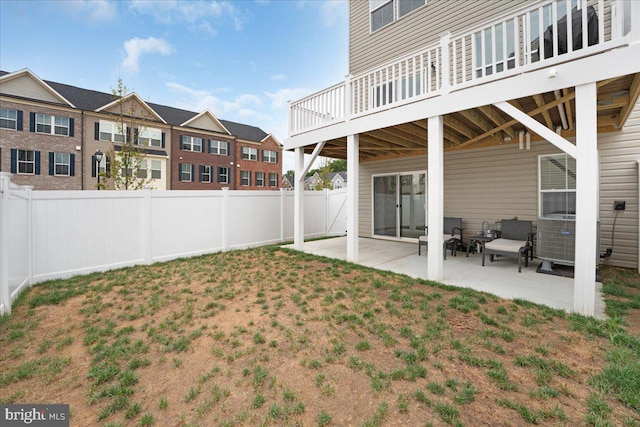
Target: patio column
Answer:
pixel 435 197
pixel 298 200
pixel 353 173
pixel 587 174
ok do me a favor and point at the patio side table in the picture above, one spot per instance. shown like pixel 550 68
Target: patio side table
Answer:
pixel 474 240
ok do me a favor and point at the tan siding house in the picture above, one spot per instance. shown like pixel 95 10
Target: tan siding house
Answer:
pixel 487 110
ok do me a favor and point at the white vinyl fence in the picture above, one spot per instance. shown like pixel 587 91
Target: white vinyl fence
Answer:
pixel 59 234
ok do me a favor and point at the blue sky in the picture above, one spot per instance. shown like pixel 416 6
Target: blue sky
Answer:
pixel 241 59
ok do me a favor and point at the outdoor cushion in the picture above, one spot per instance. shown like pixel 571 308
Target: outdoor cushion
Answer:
pixel 506 245
pixel 444 238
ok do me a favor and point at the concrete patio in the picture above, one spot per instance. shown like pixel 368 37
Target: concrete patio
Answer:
pixel 500 277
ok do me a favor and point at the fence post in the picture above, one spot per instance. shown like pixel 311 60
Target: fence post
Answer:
pixel 326 212
pixel 348 104
pixel 29 234
pixel 147 226
pixel 282 214
pixel 5 297
pixel 225 218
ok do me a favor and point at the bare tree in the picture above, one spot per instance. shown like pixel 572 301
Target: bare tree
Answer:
pixel 129 168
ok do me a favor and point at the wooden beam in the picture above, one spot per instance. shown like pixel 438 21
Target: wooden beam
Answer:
pixel 607 103
pixel 514 121
pixel 493 115
pixel 545 113
pixel 477 119
pixel 634 92
pixel 568 110
pixel 458 126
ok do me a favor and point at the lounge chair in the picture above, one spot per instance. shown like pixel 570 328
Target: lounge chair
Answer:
pixel 515 238
pixel 452 237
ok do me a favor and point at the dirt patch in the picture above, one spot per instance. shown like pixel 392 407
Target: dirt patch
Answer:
pixel 271 337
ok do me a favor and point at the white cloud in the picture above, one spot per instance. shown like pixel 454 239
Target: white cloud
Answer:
pixel 282 97
pixel 330 10
pixel 96 10
pixel 198 14
pixel 278 77
pixel 137 47
pixel 242 106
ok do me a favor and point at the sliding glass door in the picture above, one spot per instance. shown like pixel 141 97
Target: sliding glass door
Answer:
pixel 399 205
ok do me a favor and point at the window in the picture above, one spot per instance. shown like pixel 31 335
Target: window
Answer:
pixel 205 173
pixel 53 125
pixel 186 170
pixel 111 131
pixel 384 12
pixel 269 156
pixel 10 119
pixel 219 147
pixel 156 169
pixel 249 153
pixel 150 136
pixel 26 162
pixel 223 175
pixel 61 164
pixel 273 180
pixel 260 179
pixel 557 185
pixel 337 185
pixel 190 143
pixel 142 171
pixel 245 178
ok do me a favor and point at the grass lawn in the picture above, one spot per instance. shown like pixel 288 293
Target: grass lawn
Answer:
pixel 270 336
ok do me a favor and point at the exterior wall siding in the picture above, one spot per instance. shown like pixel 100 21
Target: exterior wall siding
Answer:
pixel 490 184
pixel 45 144
pixel 197 159
pixel 92 145
pixel 420 28
pixel 259 165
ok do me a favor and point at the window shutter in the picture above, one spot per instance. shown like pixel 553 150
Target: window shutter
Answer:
pixel 71 126
pixel 192 173
pixel 108 167
pixel 128 134
pixel 181 144
pixel 201 171
pixel 14 160
pixel 163 143
pixel 72 165
pixel 202 145
pixel 32 122
pixel 276 157
pixel 180 168
pixel 37 163
pixel 96 131
pixel 219 173
pixel 19 126
pixel 51 160
pixel 94 167
pixel 209 146
pixel 136 132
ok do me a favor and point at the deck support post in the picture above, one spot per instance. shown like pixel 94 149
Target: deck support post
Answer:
pixel 435 197
pixel 298 200
pixel 587 184
pixel 353 172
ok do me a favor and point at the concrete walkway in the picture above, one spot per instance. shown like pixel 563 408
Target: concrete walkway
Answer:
pixel 500 277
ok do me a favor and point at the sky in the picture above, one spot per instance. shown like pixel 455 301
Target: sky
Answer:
pixel 241 59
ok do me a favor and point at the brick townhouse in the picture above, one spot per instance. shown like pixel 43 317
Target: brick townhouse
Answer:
pixel 50 133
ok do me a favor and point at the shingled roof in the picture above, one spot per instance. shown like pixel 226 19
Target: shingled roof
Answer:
pixel 91 100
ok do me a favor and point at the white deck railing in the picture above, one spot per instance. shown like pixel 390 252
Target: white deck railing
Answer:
pixel 533 37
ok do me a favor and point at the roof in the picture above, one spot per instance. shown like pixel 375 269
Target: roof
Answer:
pixel 342 174
pixel 92 100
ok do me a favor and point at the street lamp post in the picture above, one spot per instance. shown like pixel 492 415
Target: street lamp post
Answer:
pixel 99 154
